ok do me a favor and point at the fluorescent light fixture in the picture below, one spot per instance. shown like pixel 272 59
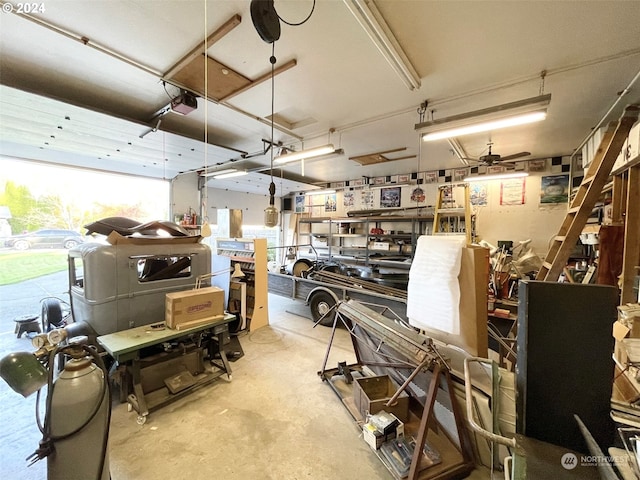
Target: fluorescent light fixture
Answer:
pixel 310 153
pixel 497 176
pixel 376 27
pixel 226 173
pixel 508 115
pixel 218 172
pixel 320 192
pixel 389 185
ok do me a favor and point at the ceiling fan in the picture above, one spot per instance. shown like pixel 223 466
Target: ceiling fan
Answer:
pixel 496 159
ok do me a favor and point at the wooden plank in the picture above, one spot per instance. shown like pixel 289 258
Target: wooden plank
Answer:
pixel 618 200
pixel 202 47
pixel 631 254
pixel 267 76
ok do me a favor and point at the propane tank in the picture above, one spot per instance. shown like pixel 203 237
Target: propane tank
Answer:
pixel 79 422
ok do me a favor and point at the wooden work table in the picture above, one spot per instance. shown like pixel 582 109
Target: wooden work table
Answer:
pixel 127 348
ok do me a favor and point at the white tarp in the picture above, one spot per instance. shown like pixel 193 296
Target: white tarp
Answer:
pixel 434 292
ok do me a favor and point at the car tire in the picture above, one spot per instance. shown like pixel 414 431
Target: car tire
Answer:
pixel 51 315
pixel 69 244
pixel 320 304
pixel 21 245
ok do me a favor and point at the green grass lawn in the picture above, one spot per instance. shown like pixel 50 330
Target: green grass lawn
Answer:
pixel 19 266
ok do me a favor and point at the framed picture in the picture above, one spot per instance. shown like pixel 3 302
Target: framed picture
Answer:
pixel 356 183
pixel 330 203
pixel 379 180
pixel 300 204
pixel 554 189
pixel 539 165
pixel 404 178
pixel 430 177
pixel 459 174
pixel 390 197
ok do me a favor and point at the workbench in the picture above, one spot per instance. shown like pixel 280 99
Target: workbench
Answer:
pixel 128 348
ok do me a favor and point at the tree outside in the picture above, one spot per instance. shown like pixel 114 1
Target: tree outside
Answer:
pixel 39 196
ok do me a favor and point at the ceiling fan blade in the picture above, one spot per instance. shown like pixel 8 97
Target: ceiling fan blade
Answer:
pixel 514 156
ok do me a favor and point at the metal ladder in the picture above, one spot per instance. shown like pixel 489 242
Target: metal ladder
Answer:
pixel 588 193
pixel 447 216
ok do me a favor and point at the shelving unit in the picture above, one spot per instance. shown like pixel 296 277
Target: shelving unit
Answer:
pixel 384 240
pixel 251 254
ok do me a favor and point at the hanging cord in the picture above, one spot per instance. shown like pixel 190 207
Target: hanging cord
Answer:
pixel 47 443
pixel 272 59
pixel 303 21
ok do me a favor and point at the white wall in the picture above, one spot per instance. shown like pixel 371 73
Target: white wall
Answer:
pixel 252 205
pixel 532 220
pixel 184 195
pixel 519 222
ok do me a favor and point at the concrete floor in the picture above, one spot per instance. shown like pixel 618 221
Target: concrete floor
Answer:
pixel 275 420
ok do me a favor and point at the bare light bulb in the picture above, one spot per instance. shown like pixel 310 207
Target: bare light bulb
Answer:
pixel 271 212
pixel 270 216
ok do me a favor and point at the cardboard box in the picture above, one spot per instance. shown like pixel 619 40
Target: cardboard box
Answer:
pixel 191 307
pixel 370 395
pixel 380 428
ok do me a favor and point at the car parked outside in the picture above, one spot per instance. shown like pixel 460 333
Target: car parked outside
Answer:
pixel 46 238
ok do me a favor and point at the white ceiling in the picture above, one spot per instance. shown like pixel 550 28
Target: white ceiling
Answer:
pixel 81 83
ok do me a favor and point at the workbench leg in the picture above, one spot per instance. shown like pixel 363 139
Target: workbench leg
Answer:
pixel 219 349
pixel 138 394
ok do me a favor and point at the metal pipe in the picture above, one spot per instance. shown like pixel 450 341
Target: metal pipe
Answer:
pixel 510 442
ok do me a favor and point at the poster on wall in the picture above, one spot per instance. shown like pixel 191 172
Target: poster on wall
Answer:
pixel 348 199
pixel 367 199
pixel 300 204
pixel 538 165
pixel 417 195
pixel 390 197
pixel 512 192
pixel 478 193
pixel 430 177
pixel 459 174
pixel 330 203
pixel 554 189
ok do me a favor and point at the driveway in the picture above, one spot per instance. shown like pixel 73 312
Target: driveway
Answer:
pixel 24 298
pixel 17 416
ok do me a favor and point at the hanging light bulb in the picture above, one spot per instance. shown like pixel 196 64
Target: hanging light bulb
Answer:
pixel 271 212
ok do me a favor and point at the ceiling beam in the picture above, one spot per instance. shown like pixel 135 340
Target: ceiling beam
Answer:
pixel 200 49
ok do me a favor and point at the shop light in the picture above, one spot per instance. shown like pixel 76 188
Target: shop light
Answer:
pixel 320 192
pixel 502 116
pixel 310 153
pixel 228 173
pixel 497 176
